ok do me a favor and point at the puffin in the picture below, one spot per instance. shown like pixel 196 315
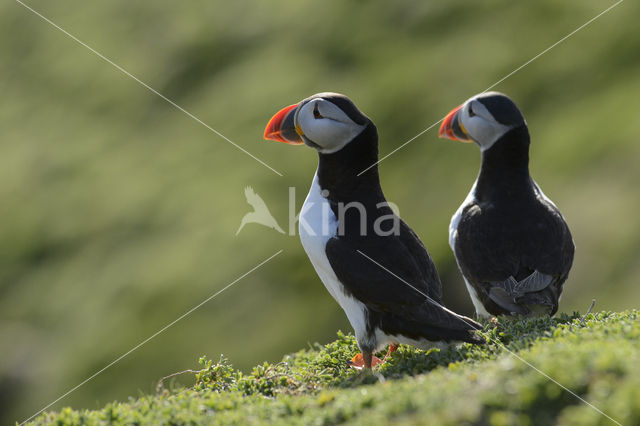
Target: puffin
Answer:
pixel 370 261
pixel 512 244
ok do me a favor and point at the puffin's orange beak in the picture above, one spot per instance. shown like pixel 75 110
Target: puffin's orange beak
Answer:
pixel 452 128
pixel 281 127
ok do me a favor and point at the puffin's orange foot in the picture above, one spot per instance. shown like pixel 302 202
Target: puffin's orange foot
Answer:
pixel 357 362
pixel 392 349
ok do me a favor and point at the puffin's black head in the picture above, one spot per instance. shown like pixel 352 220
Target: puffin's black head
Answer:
pixel 482 119
pixel 325 121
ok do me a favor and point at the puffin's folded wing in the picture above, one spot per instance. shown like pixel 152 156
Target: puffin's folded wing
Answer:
pixel 394 284
pixel 427 269
pixel 385 276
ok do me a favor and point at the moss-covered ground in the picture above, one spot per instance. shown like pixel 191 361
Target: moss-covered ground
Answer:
pixel 531 372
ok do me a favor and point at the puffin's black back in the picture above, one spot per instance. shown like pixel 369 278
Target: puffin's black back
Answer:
pixel 511 229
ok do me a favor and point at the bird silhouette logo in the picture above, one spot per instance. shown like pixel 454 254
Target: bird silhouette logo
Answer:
pixel 260 213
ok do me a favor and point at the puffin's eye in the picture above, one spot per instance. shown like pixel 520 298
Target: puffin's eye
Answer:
pixel 471 113
pixel 316 112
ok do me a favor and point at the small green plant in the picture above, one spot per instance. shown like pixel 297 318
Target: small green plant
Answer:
pixel 217 377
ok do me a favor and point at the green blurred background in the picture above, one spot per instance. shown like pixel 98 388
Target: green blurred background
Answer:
pixel 118 213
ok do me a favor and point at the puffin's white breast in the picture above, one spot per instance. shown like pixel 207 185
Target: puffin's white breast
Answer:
pixel 455 219
pixel 544 197
pixel 453 234
pixel 317 225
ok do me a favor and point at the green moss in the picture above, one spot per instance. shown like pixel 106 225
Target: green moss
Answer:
pixel 594 357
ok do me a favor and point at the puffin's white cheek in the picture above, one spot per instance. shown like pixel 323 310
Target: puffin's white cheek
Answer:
pixel 484 132
pixel 476 128
pixel 328 134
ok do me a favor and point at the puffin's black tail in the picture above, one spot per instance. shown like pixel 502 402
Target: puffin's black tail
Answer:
pixel 456 328
pixel 467 330
pixel 435 323
pixel 532 295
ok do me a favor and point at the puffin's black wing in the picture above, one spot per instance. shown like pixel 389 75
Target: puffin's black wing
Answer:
pixel 515 255
pixel 400 306
pixel 427 269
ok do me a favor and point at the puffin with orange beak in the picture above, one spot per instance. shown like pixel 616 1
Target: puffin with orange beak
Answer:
pixel 512 245
pixel 370 261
